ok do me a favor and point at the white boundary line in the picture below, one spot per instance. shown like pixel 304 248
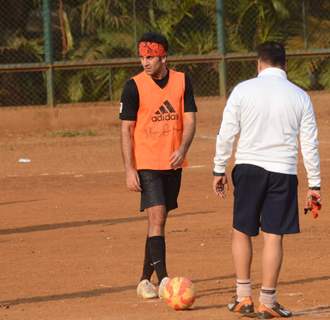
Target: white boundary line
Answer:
pixel 81 174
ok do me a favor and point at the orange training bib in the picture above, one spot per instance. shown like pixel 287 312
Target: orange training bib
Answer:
pixel 159 124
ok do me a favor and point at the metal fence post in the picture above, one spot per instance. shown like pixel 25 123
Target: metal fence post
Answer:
pixel 135 27
pixel 48 47
pixel 221 46
pixel 304 18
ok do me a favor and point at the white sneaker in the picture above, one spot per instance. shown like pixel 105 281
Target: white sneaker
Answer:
pixel 146 290
pixel 162 285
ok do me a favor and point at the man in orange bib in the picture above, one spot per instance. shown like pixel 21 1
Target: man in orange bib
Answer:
pixel 157 110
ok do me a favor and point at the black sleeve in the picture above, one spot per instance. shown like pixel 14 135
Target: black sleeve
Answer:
pixel 129 102
pixel 189 100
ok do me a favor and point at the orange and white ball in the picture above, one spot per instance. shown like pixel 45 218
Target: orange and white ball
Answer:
pixel 179 293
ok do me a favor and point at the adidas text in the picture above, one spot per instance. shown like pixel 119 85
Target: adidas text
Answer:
pixel 163 117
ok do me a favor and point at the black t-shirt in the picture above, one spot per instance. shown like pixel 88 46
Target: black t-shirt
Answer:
pixel 130 98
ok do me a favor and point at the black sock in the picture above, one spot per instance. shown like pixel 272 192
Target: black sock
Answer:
pixel 158 255
pixel 148 267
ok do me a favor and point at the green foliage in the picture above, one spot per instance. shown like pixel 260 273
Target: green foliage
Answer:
pixel 196 42
pixel 32 47
pixel 299 73
pixel 101 29
pixel 324 77
pixel 103 14
pixel 251 22
pixel 113 33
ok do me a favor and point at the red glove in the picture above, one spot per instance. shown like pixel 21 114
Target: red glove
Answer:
pixel 313 203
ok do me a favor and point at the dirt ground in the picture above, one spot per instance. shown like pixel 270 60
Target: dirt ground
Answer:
pixel 72 240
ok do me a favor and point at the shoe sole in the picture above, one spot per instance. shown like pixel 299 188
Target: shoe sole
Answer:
pixel 148 297
pixel 151 295
pixel 243 311
pixel 266 315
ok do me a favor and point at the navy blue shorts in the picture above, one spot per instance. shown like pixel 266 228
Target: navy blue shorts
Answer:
pixel 264 200
pixel 160 187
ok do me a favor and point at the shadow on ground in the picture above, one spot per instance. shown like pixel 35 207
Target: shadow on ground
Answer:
pixel 78 224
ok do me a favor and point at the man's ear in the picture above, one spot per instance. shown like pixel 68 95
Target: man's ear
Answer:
pixel 258 66
pixel 163 59
pixel 285 67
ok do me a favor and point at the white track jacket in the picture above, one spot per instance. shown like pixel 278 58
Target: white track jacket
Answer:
pixel 269 113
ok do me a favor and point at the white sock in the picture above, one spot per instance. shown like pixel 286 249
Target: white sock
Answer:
pixel 243 289
pixel 268 296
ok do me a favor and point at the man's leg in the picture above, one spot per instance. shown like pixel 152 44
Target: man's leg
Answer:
pixel 272 257
pixel 279 217
pixel 148 268
pixel 159 196
pixel 145 288
pixel 152 199
pixel 250 183
pixel 157 216
pixel 242 256
pixel 155 252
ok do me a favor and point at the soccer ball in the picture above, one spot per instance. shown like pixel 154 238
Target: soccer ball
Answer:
pixel 179 293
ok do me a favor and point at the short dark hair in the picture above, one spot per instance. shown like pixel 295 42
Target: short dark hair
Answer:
pixel 272 52
pixel 155 37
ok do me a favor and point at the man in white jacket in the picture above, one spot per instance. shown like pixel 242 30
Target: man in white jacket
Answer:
pixel 269 113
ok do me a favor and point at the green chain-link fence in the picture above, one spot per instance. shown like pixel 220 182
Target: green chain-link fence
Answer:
pixel 64 51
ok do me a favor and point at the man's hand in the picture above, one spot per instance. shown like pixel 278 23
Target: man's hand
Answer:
pixel 189 126
pixel 313 202
pixel 133 180
pixel 177 158
pixel 220 185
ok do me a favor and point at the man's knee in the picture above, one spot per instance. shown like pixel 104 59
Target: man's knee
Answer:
pixel 271 237
pixel 157 221
pixel 157 216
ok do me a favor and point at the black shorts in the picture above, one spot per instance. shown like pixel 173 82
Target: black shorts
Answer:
pixel 264 199
pixel 160 187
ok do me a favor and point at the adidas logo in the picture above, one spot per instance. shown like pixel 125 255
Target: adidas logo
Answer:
pixel 165 112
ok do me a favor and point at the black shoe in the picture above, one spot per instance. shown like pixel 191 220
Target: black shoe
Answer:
pixel 277 311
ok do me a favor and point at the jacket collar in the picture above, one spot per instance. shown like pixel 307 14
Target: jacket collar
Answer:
pixel 273 71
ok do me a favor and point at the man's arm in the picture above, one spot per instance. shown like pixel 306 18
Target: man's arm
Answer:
pixel 128 113
pixel 127 143
pixel 230 127
pixel 310 153
pixel 309 145
pixel 189 128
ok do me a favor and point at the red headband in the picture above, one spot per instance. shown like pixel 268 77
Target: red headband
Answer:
pixel 151 49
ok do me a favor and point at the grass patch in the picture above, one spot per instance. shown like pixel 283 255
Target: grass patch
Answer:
pixel 73 133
